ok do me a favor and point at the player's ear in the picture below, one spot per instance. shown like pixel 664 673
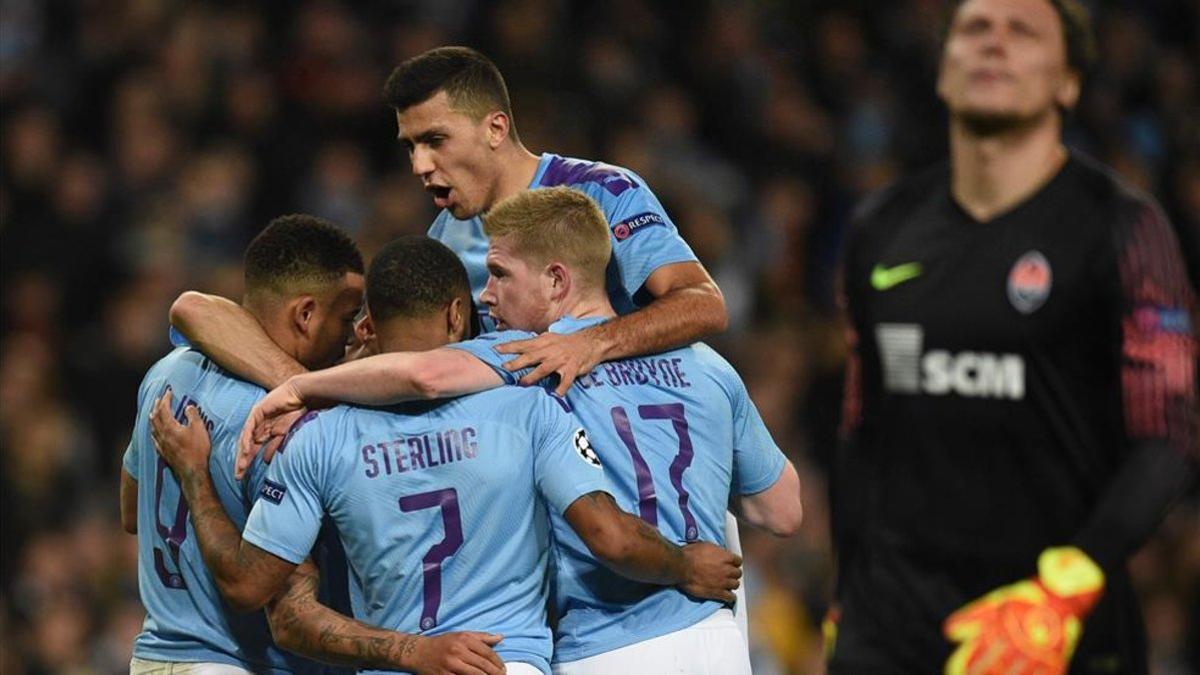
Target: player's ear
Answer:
pixel 1068 91
pixel 456 320
pixel 364 329
pixel 558 280
pixel 498 127
pixel 303 314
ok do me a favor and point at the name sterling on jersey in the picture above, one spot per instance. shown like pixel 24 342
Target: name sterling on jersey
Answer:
pixel 419 452
pixel 908 369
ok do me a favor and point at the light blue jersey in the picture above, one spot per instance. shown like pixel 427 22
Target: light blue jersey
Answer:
pixel 441 506
pixel 676 432
pixel 643 236
pixel 186 618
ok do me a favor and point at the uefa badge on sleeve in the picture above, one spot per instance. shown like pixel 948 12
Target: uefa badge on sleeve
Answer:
pixel 1029 282
pixel 583 446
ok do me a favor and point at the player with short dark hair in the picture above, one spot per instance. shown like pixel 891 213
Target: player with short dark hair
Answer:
pixel 441 507
pixel 676 431
pixel 471 81
pixel 1020 404
pixel 304 286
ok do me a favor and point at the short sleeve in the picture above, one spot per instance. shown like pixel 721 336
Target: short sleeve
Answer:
pixel 252 483
pixel 484 349
pixel 286 518
pixel 130 460
pixel 565 465
pixel 644 237
pixel 757 460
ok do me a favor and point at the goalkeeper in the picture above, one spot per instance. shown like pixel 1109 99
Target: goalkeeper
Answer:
pixel 1021 400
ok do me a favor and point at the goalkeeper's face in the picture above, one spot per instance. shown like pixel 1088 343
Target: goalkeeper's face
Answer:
pixel 1004 64
pixel 520 294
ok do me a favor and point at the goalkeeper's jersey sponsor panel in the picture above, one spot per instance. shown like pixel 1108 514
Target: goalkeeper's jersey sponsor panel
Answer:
pixel 1003 369
pixel 677 433
pixel 643 236
pixel 186 618
pixel 442 508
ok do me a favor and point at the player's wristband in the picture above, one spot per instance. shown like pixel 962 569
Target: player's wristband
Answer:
pixel 1070 574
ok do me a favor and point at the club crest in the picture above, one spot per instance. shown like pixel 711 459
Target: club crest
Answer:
pixel 1029 282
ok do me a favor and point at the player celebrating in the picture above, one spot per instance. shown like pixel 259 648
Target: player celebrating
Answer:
pixel 1024 404
pixel 304 285
pixel 455 118
pixel 467 545
pixel 676 431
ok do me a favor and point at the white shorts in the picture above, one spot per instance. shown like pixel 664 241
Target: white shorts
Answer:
pixel 712 647
pixel 741 609
pixel 147 667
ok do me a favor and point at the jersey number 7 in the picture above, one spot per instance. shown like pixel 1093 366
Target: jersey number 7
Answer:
pixel 447 500
pixel 647 499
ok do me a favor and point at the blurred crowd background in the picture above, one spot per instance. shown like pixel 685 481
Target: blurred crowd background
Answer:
pixel 146 141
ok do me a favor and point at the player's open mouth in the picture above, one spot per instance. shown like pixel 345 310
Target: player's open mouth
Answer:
pixel 441 195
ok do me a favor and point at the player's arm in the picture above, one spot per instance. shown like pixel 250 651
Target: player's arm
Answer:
pixel 301 624
pixel 777 509
pixel 766 485
pixel 246 575
pixel 687 306
pixel 397 376
pixel 226 333
pixel 382 379
pixel 635 550
pixel 129 500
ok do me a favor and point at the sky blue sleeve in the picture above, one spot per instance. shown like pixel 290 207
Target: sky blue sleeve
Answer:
pixel 757 460
pixel 130 460
pixel 484 349
pixel 286 519
pixel 252 484
pixel 565 465
pixel 644 237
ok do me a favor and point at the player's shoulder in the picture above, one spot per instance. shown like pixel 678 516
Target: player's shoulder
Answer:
pixel 1107 194
pixel 602 181
pixel 496 338
pixel 318 430
pixel 901 197
pixel 714 366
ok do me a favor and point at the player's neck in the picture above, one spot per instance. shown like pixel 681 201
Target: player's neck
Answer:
pixel 589 306
pixel 989 174
pixel 275 324
pixel 520 166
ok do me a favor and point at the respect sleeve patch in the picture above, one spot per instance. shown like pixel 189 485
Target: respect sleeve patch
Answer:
pixel 272 492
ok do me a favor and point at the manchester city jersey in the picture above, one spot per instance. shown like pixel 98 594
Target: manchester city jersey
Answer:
pixel 643 236
pixel 442 509
pixel 676 432
pixel 186 618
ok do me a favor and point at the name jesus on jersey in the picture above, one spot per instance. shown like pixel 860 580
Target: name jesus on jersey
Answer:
pixel 908 369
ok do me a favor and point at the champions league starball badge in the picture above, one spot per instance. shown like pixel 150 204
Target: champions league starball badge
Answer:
pixel 1029 282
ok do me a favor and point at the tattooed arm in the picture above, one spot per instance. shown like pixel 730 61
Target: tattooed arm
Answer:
pixel 246 575
pixel 634 549
pixel 301 624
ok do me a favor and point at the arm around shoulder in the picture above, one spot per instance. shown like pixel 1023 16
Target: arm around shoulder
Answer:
pixel 229 335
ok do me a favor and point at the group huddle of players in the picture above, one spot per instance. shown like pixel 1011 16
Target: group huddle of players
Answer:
pixel 535 465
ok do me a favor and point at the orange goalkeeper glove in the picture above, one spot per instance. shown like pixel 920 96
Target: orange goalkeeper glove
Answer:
pixel 1030 627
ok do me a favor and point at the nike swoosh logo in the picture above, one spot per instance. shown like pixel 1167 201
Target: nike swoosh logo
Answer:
pixel 883 278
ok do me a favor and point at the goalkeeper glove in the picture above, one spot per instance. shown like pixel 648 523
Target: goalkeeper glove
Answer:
pixel 1031 626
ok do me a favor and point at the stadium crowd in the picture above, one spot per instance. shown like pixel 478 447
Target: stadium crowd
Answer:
pixel 144 143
